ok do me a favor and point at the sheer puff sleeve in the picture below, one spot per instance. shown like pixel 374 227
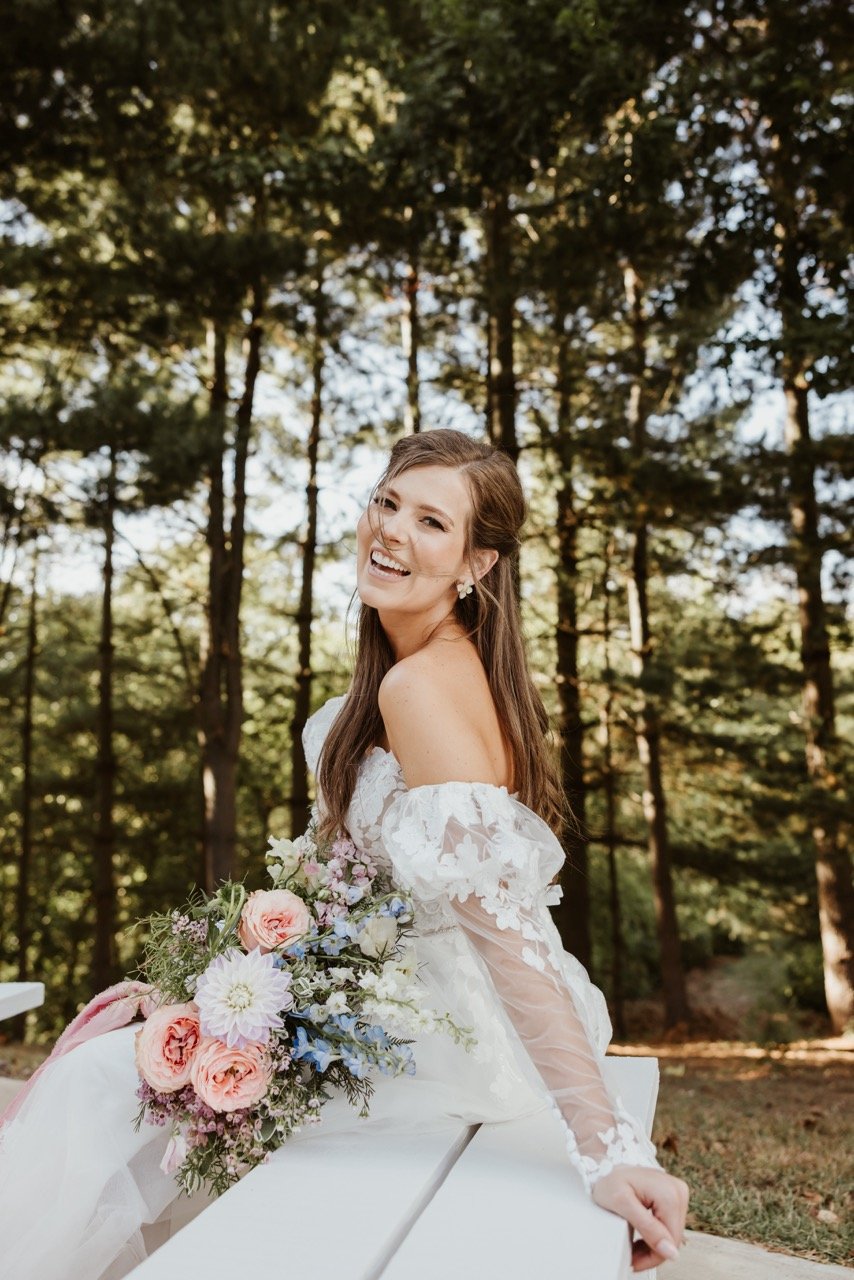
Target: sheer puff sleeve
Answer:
pixel 488 861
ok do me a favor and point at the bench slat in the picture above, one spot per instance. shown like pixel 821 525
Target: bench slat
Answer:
pixel 344 1197
pixel 513 1206
pixel 17 997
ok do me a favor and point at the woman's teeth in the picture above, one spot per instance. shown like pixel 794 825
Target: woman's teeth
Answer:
pixel 386 562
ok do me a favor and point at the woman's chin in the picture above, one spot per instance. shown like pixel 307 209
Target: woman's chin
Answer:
pixel 377 594
pixel 373 596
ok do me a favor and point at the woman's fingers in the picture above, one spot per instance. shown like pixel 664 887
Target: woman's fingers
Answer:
pixel 659 1231
pixel 644 1258
pixel 655 1204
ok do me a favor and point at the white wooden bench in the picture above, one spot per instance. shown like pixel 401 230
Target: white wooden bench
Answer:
pixel 492 1200
pixel 17 997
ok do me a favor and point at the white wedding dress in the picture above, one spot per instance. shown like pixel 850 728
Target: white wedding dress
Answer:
pixel 82 1196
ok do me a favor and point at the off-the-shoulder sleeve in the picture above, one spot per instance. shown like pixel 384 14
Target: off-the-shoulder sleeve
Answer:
pixel 316 728
pixel 491 860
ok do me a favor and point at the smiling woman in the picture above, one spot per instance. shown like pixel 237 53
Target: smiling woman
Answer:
pixel 436 767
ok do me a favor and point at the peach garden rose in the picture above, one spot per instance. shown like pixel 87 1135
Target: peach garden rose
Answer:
pixel 272 917
pixel 165 1045
pixel 230 1079
pixel 271 1032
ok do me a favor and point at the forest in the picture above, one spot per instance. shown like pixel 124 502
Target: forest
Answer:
pixel 246 246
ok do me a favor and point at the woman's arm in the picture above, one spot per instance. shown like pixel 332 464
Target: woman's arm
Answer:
pixel 502 916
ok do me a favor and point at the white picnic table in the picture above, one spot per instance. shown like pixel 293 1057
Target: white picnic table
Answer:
pixel 473 1200
pixel 17 997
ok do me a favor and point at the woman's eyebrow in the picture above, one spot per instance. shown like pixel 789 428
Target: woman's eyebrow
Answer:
pixel 422 506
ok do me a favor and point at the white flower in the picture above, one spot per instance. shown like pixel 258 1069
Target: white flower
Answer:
pixel 378 935
pixel 408 962
pixel 285 856
pixel 387 987
pixel 240 995
pixel 337 1003
pixel 341 973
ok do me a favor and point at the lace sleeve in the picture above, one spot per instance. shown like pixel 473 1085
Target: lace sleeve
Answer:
pixel 491 859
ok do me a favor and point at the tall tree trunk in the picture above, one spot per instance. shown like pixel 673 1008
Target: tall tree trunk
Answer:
pixel 103 881
pixel 221 701
pixel 606 720
pixel 218 780
pixel 500 297
pixel 410 333
pixel 647 728
pixel 25 860
pixel 829 828
pixel 11 537
pixel 300 806
pixel 829 806
pixel 573 913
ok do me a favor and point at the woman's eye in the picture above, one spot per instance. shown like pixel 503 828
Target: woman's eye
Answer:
pixel 434 522
pixel 380 501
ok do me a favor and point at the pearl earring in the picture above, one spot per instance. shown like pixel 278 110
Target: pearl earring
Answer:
pixel 464 589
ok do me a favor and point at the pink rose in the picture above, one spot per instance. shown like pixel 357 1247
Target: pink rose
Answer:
pixel 271 917
pixel 230 1079
pixel 166 1044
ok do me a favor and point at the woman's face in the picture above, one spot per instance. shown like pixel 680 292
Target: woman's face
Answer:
pixel 418 523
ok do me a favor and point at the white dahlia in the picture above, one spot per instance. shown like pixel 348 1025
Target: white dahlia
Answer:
pixel 240 996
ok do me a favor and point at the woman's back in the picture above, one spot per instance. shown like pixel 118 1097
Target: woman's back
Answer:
pixel 440 716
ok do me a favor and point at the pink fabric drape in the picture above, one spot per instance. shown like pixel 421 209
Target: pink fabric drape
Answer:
pixel 115 1007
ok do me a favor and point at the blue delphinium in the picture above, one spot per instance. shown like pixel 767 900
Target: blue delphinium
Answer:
pixel 356 1063
pixel 345 1022
pixel 394 908
pixel 333 946
pixel 318 1051
pixel 374 1035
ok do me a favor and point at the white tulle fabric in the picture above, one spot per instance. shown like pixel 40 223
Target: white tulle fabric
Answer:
pixel 82 1196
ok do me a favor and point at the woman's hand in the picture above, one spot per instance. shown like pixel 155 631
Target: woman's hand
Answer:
pixel 652 1201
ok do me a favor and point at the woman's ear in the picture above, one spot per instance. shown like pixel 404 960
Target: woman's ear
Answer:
pixel 482 562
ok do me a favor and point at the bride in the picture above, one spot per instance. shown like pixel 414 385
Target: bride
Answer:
pixel 436 762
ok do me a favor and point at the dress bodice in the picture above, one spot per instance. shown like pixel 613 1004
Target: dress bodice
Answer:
pixel 479 867
pixel 400 827
pixel 379 780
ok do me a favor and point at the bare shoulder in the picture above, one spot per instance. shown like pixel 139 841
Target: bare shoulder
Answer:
pixel 440 718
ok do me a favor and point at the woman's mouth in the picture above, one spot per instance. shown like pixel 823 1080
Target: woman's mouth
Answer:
pixel 384 566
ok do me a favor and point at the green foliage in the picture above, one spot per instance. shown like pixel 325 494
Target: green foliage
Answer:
pixel 170 168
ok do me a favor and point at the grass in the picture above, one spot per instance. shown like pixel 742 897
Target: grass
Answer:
pixel 765 1139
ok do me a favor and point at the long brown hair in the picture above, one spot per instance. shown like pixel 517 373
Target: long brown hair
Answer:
pixel 490 617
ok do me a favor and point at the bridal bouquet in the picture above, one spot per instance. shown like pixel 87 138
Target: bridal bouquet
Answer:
pixel 262 1002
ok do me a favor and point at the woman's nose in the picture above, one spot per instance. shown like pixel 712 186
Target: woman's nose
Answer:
pixel 392 528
